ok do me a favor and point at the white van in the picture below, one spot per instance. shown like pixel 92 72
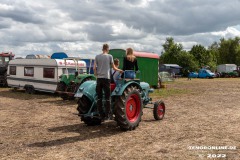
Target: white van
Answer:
pixel 40 74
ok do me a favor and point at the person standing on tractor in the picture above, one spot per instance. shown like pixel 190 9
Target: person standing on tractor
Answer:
pixel 129 63
pixel 115 74
pixel 102 65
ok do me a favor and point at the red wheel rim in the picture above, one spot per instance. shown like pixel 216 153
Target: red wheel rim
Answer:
pixel 160 110
pixel 133 107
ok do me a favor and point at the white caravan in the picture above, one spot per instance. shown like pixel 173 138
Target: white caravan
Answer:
pixel 41 74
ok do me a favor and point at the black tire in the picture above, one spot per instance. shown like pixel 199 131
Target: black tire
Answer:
pixel 159 110
pixel 5 84
pixel 128 109
pixel 14 89
pixel 84 105
pixel 76 88
pixel 61 86
pixel 30 90
pixel 71 98
pixel 64 96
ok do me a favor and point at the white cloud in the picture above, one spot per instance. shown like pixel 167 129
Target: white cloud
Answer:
pixel 82 26
pixel 120 29
pixel 5 7
pixel 229 32
pixel 138 3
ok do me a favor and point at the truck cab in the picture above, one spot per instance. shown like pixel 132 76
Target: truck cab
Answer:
pixel 4 59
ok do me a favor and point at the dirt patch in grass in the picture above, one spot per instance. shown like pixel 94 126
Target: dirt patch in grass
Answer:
pixel 200 112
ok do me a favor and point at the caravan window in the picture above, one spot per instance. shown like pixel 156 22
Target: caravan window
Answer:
pixel 12 70
pixel 48 72
pixel 29 71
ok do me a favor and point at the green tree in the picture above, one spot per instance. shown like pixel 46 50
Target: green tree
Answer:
pixel 174 54
pixel 214 51
pixel 188 62
pixel 203 56
pixel 171 51
pixel 229 51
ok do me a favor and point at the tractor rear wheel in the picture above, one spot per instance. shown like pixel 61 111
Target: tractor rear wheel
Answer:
pixel 84 105
pixel 159 110
pixel 128 111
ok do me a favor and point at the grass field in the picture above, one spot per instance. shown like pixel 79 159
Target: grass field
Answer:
pixel 200 112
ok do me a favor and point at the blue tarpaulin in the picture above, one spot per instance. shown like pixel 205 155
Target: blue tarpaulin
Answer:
pixel 59 55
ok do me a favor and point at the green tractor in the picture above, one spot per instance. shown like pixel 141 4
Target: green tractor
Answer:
pixel 71 80
pixel 128 98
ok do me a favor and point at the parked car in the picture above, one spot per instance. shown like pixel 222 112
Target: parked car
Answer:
pixel 202 73
pixel 193 75
pixel 205 73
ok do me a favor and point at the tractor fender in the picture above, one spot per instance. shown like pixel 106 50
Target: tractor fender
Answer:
pixel 118 91
pixel 88 89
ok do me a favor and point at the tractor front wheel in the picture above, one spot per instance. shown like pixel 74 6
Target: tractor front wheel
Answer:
pixel 128 111
pixel 159 110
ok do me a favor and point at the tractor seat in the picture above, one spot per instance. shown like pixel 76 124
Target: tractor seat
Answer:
pixel 112 86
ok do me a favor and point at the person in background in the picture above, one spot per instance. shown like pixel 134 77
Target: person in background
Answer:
pixel 102 65
pixel 189 77
pixel 130 63
pixel 115 74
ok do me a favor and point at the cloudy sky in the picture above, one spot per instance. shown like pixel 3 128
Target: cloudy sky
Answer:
pixel 82 26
